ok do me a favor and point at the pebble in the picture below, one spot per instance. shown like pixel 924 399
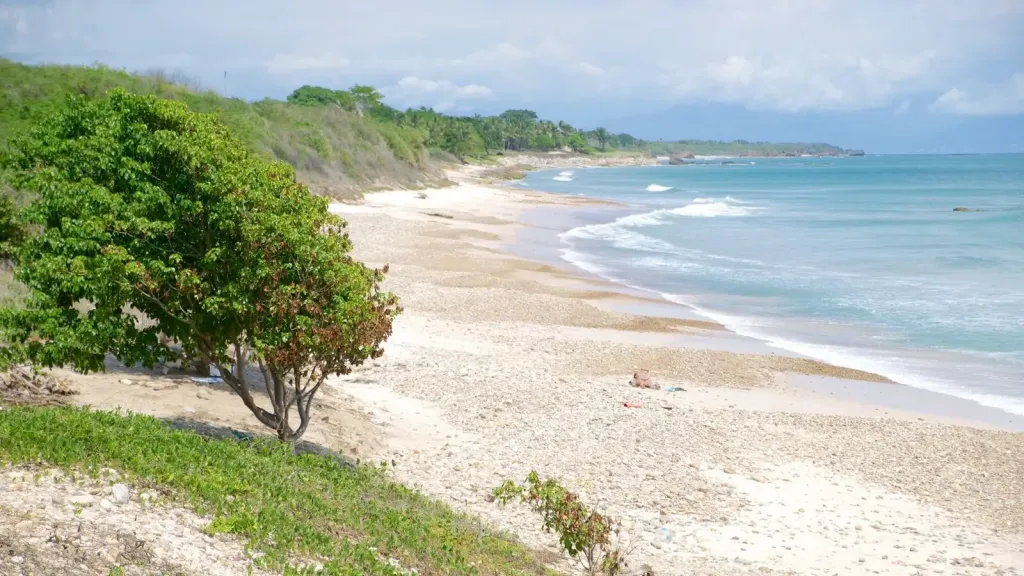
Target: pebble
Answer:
pixel 82 500
pixel 96 526
pixel 121 494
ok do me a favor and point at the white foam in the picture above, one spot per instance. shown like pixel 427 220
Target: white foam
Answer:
pixel 658 188
pixel 566 173
pixel 581 261
pixel 618 235
pixel 850 358
pixel 707 209
pixel 563 178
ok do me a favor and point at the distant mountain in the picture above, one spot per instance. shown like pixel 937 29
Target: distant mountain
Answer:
pixel 878 131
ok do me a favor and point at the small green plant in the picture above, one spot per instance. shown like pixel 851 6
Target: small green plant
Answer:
pixel 583 533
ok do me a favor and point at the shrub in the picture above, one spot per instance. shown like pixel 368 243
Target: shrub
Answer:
pixel 583 533
pixel 143 205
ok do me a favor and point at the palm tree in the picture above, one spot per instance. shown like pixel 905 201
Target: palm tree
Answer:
pixel 602 137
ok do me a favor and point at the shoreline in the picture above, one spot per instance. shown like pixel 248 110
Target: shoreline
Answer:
pixel 502 364
pixel 991 414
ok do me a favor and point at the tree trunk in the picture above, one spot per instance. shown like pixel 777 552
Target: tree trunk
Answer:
pixel 203 367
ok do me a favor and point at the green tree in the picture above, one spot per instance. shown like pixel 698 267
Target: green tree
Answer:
pixel 458 139
pixel 367 97
pixel 492 132
pixel 577 143
pixel 317 96
pixel 144 208
pixel 12 232
pixel 542 142
pixel 602 137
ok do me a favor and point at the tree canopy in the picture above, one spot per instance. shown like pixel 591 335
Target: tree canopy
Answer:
pixel 144 210
pixel 521 130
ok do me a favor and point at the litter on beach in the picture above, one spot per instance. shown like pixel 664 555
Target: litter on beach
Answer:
pixel 207 379
pixel 630 405
pixel 675 389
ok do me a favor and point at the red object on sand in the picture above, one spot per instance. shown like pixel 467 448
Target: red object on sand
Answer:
pixel 630 405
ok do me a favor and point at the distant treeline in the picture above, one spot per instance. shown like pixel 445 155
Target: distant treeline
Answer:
pixel 346 139
pixel 523 130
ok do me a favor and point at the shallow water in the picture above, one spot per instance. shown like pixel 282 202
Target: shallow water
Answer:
pixel 861 262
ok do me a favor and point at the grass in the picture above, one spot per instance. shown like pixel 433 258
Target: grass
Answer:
pixel 324 144
pixel 297 510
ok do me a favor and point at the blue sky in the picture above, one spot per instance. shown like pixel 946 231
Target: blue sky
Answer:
pixel 890 76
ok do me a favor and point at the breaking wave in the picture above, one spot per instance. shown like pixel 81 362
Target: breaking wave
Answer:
pixel 658 188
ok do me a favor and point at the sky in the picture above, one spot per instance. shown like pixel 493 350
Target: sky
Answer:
pixel 889 76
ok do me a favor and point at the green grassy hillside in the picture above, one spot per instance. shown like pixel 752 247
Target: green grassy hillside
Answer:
pixel 296 510
pixel 336 151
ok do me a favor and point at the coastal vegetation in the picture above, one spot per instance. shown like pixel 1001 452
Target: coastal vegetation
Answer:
pixel 584 534
pixel 297 513
pixel 138 222
pixel 343 141
pixel 142 209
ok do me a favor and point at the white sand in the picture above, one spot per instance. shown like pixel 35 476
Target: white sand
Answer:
pixel 499 366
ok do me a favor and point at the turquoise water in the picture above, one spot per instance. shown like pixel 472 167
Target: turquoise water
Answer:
pixel 860 262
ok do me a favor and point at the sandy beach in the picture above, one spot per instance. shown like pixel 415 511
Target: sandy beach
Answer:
pixel 764 463
pixel 502 365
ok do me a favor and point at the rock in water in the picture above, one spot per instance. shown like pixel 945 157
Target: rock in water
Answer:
pixel 961 209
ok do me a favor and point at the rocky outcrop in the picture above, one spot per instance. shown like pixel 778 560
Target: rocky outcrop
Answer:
pixel 964 209
pixel 678 159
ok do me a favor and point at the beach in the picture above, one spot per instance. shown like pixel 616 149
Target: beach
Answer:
pixel 761 464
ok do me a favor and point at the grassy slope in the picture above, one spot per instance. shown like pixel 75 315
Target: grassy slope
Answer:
pixel 335 151
pixel 297 509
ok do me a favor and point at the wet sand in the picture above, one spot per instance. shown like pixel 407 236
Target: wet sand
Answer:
pixel 502 364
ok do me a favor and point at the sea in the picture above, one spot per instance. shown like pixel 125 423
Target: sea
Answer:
pixel 857 261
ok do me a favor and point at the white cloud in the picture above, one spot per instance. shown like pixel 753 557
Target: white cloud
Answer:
pixel 440 95
pixel 1006 98
pixel 821 82
pixel 414 85
pixel 903 108
pixel 771 54
pixel 502 54
pixel 288 63
pixel 15 16
pixel 591 69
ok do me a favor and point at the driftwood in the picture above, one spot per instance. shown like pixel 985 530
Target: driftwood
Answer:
pixel 642 379
pixel 22 384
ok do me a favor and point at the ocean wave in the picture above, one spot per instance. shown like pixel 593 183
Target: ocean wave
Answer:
pixel 619 235
pixel 711 207
pixel 658 188
pixel 620 232
pixel 563 178
pixel 566 173
pixel 889 367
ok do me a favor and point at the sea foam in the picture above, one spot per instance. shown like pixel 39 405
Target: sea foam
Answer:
pixel 658 188
pixel 563 178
